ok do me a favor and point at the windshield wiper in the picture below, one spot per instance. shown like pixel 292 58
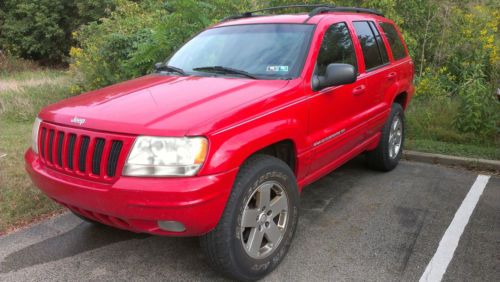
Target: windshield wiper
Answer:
pixel 165 67
pixel 225 70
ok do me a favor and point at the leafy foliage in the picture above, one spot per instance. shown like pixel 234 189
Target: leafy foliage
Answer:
pixel 138 34
pixel 445 39
pixel 41 29
pixel 453 43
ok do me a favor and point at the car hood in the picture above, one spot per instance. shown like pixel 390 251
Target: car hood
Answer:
pixel 159 105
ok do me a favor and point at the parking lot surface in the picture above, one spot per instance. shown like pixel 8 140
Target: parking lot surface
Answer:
pixel 355 224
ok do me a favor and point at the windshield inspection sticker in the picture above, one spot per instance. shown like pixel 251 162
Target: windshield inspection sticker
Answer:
pixel 277 68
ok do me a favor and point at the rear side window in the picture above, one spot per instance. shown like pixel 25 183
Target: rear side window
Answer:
pixel 373 47
pixel 337 47
pixel 397 47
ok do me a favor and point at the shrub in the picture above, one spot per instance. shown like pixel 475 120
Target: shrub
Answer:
pixel 435 83
pixel 41 29
pixel 477 111
pixel 138 34
pixel 441 36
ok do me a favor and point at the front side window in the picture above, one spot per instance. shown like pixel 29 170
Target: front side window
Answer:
pixel 337 47
pixel 397 47
pixel 373 47
pixel 266 51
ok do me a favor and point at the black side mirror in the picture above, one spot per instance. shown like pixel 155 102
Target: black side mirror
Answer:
pixel 158 66
pixel 336 74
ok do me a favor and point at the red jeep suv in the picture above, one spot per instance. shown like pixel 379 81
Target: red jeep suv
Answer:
pixel 220 141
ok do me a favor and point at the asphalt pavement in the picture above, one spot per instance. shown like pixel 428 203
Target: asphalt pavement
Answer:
pixel 355 225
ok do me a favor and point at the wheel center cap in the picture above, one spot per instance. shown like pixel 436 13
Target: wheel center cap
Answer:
pixel 262 218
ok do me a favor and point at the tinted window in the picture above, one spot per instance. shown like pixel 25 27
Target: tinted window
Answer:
pixel 268 51
pixel 380 43
pixel 397 47
pixel 373 55
pixel 337 47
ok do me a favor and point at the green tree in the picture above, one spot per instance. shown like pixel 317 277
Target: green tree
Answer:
pixel 138 34
pixel 41 29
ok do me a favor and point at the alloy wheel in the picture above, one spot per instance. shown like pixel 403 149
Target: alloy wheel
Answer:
pixel 264 220
pixel 395 137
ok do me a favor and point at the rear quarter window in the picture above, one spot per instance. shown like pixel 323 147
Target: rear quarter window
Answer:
pixel 373 47
pixel 397 47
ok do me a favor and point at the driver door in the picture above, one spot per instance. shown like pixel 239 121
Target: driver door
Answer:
pixel 333 132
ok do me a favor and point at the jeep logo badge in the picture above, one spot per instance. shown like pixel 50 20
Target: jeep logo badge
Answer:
pixel 78 120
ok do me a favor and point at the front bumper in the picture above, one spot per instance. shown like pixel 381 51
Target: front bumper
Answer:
pixel 136 204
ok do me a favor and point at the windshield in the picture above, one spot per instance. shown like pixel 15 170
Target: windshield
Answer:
pixel 265 51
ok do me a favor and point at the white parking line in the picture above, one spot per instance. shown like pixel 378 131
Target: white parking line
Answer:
pixel 444 253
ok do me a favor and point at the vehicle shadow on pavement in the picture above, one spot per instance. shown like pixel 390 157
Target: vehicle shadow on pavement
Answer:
pixel 86 237
pixel 82 238
pixel 355 224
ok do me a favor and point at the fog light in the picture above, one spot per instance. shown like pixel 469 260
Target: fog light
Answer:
pixel 172 226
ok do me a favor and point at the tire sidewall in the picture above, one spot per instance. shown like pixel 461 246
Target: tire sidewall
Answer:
pixel 256 268
pixel 396 110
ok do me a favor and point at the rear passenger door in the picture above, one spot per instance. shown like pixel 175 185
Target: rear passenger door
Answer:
pixel 402 63
pixel 379 77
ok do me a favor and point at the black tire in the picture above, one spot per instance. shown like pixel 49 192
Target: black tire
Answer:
pixel 380 158
pixel 223 246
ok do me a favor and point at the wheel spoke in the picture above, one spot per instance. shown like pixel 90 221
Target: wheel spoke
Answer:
pixel 395 137
pixel 264 219
pixel 395 124
pixel 273 233
pixel 278 205
pixel 249 218
pixel 255 241
pixel 264 196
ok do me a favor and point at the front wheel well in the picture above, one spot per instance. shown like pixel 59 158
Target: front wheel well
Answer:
pixel 283 150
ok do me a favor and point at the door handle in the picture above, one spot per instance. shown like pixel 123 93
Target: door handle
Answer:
pixel 392 75
pixel 359 90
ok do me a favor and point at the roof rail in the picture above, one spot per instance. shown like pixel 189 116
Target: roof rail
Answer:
pixel 297 6
pixel 320 10
pixel 317 9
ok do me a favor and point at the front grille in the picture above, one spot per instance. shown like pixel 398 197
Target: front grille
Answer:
pixel 113 157
pixel 84 147
pixel 96 159
pixel 71 150
pixel 83 153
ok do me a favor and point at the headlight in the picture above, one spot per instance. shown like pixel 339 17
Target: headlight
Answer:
pixel 34 135
pixel 166 156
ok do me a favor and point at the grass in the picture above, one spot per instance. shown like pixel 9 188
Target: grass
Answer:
pixel 461 150
pixel 22 94
pixel 20 201
pixel 431 128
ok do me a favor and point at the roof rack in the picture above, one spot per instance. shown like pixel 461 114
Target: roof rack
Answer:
pixel 317 9
pixel 297 6
pixel 326 9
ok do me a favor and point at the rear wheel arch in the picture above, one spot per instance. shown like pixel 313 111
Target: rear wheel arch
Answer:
pixel 402 99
